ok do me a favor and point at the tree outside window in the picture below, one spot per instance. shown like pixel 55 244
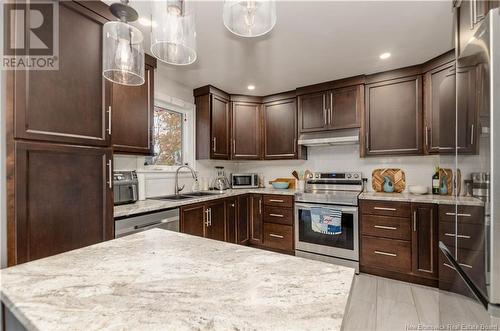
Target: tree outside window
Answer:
pixel 167 137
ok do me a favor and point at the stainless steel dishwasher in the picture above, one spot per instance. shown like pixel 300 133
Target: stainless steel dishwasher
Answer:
pixel 166 219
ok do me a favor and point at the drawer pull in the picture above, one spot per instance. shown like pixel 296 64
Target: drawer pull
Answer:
pixel 384 208
pixel 459 215
pixel 465 265
pixel 276 236
pixel 276 215
pixel 385 253
pixel 385 227
pixel 449 266
pixel 458 236
pixel 276 200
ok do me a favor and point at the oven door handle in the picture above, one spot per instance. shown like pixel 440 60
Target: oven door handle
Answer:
pixel 343 209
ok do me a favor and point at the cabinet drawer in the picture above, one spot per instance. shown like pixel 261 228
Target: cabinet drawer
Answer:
pixel 387 227
pixel 278 215
pixel 386 208
pixel 384 253
pixel 465 214
pixel 278 200
pixel 472 263
pixel 470 236
pixel 278 236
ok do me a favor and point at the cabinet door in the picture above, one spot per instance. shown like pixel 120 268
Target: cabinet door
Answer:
pixel 394 117
pixel 220 128
pixel 312 110
pixel 231 220
pixel 246 131
pixel 192 220
pixel 243 212
pixel 439 110
pixel 280 129
pixel 66 105
pixel 345 107
pixel 256 218
pixel 216 213
pixel 467 130
pixel 132 116
pixel 425 240
pixel 63 199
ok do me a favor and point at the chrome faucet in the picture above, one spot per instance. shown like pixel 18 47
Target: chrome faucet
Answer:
pixel 193 173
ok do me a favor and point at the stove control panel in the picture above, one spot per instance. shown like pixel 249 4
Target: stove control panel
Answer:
pixel 337 175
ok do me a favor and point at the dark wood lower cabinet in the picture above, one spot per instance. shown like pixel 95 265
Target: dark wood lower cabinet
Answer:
pixel 192 219
pixel 425 240
pixel 255 219
pixel 216 219
pixel 63 199
pixel 231 220
pixel 242 225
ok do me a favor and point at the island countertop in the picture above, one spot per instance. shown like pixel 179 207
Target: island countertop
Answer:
pixel 159 280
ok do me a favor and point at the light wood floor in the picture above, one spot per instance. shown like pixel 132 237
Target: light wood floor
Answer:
pixel 383 304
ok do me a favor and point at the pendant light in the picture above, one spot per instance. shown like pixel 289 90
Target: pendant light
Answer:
pixel 249 18
pixel 173 35
pixel 123 54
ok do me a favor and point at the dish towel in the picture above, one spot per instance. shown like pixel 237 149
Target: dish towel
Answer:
pixel 326 220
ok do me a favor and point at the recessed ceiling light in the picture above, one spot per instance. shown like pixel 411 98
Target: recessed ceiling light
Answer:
pixel 385 55
pixel 251 87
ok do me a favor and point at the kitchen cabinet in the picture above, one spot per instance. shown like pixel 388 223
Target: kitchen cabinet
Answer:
pixel 59 207
pixel 467 110
pixel 280 129
pixel 212 123
pixel 393 115
pixel 68 105
pixel 192 219
pixel 215 220
pixel 425 240
pixel 246 130
pixel 243 236
pixel 313 112
pixel 278 223
pixel 255 219
pixel 231 220
pixel 132 116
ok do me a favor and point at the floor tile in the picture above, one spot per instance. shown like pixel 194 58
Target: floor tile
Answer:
pixel 427 304
pixel 360 316
pixel 394 290
pixel 364 288
pixel 394 315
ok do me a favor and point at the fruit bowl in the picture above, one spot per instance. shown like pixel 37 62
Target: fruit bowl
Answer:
pixel 280 185
pixel 418 189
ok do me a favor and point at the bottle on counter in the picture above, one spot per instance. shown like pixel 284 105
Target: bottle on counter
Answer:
pixel 435 181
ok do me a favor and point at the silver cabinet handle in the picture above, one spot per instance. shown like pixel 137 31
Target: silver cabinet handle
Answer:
pixel 214 144
pixel 385 253
pixel 330 113
pixel 471 15
pixel 472 134
pixel 459 215
pixel 385 227
pixel 275 200
pixel 414 221
pixel 109 120
pixel 276 236
pixel 427 136
pixel 260 206
pixel 206 218
pixel 466 265
pixel 449 266
pixel 234 146
pixel 276 215
pixel 384 208
pixel 463 236
pixel 110 173
pixel 324 109
pixel 209 216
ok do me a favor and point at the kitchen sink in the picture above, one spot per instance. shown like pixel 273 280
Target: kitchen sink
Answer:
pixel 173 197
pixel 201 194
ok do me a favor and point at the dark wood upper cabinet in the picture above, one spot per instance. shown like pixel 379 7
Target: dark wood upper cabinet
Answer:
pixel 63 199
pixel 394 116
pixel 313 112
pixel 346 107
pixel 425 240
pixel 68 105
pixel 280 129
pixel 192 220
pixel 256 219
pixel 242 225
pixel 467 113
pixel 231 219
pixel 132 116
pixel 212 124
pixel 246 130
pixel 216 220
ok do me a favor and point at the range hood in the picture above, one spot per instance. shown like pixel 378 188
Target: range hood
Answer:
pixel 330 138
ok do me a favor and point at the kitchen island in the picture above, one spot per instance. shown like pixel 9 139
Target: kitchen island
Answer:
pixel 163 280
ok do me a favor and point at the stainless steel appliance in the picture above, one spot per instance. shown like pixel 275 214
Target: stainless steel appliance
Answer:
pixel 480 55
pixel 334 191
pixel 125 187
pixel 167 220
pixel 244 180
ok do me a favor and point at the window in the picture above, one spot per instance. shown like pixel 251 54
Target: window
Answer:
pixel 168 137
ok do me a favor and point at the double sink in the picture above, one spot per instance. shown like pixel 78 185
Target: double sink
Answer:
pixel 187 196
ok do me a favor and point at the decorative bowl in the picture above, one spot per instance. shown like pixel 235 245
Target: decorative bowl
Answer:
pixel 280 185
pixel 418 189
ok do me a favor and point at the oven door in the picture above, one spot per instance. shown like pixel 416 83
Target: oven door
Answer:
pixel 344 245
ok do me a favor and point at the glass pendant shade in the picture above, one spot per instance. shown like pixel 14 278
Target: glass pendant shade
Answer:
pixel 249 18
pixel 123 54
pixel 173 35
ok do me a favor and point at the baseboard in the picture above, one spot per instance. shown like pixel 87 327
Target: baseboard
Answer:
pixel 399 276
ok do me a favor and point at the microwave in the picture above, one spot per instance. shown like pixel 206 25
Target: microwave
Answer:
pixel 244 180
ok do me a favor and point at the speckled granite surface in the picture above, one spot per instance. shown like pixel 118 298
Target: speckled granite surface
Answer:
pixel 149 205
pixel 426 198
pixel 163 280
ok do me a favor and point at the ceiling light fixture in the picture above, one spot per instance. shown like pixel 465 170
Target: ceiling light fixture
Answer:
pixel 173 37
pixel 123 54
pixel 385 55
pixel 146 21
pixel 249 18
pixel 251 87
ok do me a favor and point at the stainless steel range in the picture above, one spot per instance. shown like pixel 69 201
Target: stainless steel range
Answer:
pixel 330 200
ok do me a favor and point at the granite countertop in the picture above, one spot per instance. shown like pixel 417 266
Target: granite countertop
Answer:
pixel 149 205
pixel 160 279
pixel 426 198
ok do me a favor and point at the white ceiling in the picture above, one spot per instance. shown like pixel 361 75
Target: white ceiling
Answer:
pixel 312 42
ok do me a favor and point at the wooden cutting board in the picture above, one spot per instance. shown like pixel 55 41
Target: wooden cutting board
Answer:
pixel 397 176
pixel 449 179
